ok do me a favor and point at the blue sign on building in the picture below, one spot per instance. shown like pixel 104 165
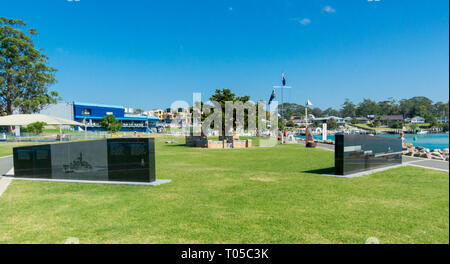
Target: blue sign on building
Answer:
pixel 91 114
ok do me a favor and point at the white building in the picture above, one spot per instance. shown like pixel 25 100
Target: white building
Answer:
pixel 417 120
pixel 442 119
pixel 338 120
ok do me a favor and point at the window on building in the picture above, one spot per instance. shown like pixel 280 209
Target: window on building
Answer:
pixel 86 111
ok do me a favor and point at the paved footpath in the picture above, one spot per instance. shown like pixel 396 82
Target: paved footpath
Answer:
pixel 4 183
pixel 427 163
pixel 413 161
pixel 6 163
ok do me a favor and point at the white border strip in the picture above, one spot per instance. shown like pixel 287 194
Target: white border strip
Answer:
pixel 4 183
pixel 10 175
pixel 424 159
pixel 431 168
pixel 155 183
pixel 363 173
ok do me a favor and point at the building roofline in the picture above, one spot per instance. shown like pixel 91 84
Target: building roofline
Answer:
pixel 98 105
pixel 144 118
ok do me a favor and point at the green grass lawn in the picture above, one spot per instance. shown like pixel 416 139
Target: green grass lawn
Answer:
pixel 367 126
pixel 258 195
pixel 419 126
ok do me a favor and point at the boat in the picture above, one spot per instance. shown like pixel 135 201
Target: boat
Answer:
pixel 422 132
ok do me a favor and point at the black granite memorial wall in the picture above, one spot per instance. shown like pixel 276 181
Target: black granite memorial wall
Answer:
pixel 356 153
pixel 121 159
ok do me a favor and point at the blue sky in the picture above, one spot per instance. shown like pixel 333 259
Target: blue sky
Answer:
pixel 148 54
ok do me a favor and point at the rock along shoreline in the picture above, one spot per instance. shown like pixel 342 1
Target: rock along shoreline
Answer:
pixel 421 152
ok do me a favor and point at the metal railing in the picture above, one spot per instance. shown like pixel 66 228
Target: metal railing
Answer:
pixel 55 137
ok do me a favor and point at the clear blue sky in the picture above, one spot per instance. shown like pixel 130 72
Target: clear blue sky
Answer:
pixel 150 53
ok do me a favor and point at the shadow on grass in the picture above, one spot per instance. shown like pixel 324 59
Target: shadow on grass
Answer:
pixel 176 145
pixel 321 171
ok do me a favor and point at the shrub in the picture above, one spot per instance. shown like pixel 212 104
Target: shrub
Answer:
pixel 396 125
pixel 36 127
pixel 110 123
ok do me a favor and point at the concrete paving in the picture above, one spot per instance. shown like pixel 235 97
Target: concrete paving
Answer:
pixel 6 163
pixel 4 183
pixel 426 163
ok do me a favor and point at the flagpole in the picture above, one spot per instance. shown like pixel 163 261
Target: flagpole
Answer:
pixel 282 87
pixel 308 103
pixel 306 114
pixel 282 102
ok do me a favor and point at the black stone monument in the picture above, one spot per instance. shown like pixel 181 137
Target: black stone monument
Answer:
pixel 356 153
pixel 121 159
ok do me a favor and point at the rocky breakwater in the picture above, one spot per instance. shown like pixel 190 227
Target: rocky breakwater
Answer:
pixel 421 152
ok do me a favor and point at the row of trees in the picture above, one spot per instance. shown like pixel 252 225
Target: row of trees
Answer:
pixel 415 106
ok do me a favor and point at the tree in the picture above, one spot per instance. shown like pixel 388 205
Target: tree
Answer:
pixel 433 121
pixel 440 109
pixel 332 124
pixel 316 111
pixel 110 123
pixel 281 124
pixel 416 106
pixel 377 122
pixel 225 95
pixel 287 110
pixel 444 127
pixel 317 124
pixel 389 107
pixel 367 107
pixel 24 72
pixel 36 127
pixel 330 112
pixel 396 125
pixel 290 123
pixel 348 109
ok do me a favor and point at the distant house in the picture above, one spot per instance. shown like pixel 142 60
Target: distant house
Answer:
pixel 362 120
pixel 417 120
pixel 301 122
pixel 348 119
pixel 393 118
pixel 442 119
pixel 338 120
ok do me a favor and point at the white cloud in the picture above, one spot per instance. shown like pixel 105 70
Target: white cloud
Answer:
pixel 305 21
pixel 230 8
pixel 328 9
